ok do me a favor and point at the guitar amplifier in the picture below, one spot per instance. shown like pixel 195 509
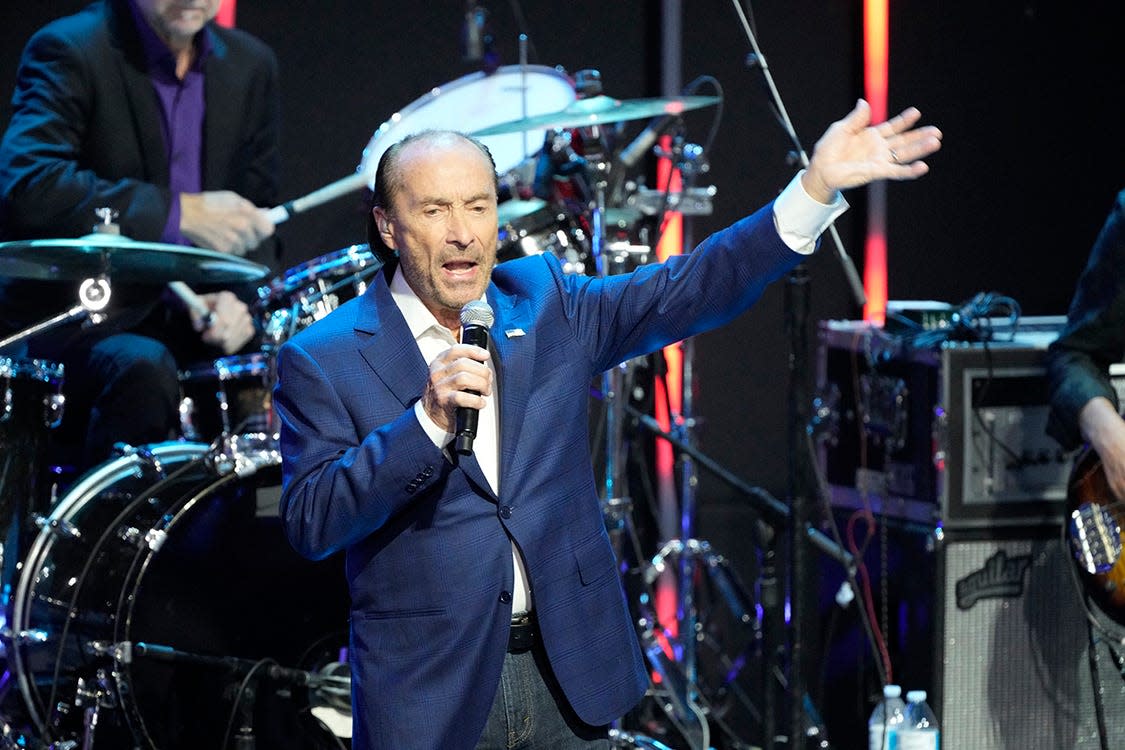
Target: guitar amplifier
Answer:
pixel 1015 667
pixel 953 433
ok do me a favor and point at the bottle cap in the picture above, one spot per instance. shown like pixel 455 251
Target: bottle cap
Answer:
pixel 892 691
pixel 916 696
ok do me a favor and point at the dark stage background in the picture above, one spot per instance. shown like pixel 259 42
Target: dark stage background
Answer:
pixel 1029 95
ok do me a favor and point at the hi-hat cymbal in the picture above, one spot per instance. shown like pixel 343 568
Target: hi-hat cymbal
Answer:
pixel 123 259
pixel 599 110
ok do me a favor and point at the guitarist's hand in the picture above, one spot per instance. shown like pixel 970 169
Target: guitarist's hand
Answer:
pixel 1104 429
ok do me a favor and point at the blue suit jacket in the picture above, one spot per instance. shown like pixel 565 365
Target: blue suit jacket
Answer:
pixel 429 559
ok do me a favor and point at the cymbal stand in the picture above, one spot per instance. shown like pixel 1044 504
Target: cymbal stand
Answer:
pixel 775 515
pixel 93 297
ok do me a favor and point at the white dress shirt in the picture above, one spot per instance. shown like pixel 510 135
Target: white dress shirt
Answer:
pixel 433 338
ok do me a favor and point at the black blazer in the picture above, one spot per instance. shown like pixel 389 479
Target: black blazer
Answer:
pixel 86 127
pixel 86 132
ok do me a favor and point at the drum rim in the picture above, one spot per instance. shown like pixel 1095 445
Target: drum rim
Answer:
pixel 229 368
pixel 353 258
pixel 127 600
pixel 43 370
pixel 97 478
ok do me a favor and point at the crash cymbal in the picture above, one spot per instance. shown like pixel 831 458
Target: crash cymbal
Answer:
pixel 599 110
pixel 122 259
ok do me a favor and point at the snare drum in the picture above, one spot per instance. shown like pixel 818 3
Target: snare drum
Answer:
pixel 228 397
pixel 475 102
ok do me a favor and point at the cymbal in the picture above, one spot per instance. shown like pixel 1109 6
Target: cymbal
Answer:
pixel 122 259
pixel 599 110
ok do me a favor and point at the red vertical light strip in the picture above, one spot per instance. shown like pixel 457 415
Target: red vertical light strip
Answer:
pixel 668 395
pixel 876 44
pixel 225 16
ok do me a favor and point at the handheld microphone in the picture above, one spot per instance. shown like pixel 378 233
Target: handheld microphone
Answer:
pixel 476 318
pixel 644 141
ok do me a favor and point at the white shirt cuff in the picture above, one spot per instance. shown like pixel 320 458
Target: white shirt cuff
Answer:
pixel 439 436
pixel 800 219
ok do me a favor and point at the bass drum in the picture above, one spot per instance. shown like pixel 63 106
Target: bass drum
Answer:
pixel 162 589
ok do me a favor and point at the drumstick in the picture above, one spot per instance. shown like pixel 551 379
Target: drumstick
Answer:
pixel 193 301
pixel 278 214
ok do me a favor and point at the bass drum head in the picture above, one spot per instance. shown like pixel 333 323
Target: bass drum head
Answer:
pixel 163 547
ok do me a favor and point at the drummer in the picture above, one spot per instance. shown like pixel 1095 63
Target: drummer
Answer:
pixel 113 109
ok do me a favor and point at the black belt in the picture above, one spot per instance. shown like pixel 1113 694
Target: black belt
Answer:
pixel 522 634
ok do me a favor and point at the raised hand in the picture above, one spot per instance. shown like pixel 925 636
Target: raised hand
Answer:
pixel 853 152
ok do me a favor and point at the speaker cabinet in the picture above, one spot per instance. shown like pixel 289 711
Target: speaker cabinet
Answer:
pixel 1014 664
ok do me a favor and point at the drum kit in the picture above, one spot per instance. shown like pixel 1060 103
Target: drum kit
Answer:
pixel 153 602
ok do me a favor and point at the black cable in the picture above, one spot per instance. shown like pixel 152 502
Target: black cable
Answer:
pixel 242 687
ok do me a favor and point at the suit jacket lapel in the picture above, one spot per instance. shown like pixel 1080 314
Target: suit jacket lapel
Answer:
pixel 390 351
pixel 222 85
pixel 513 341
pixel 143 106
pixel 393 356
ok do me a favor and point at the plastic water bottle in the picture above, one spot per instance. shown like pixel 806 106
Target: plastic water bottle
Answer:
pixel 920 730
pixel 886 720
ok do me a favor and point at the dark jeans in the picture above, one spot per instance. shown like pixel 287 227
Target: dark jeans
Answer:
pixel 531 713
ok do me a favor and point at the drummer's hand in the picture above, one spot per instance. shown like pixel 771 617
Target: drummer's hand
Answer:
pixel 853 152
pixel 223 220
pixel 229 325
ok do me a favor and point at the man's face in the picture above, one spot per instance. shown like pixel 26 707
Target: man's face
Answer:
pixel 443 223
pixel 178 21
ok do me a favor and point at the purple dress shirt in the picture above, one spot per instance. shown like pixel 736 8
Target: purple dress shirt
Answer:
pixel 182 107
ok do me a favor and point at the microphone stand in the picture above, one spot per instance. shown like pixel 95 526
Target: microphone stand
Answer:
pixel 246 693
pixel 801 476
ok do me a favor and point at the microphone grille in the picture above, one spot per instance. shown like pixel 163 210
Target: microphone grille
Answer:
pixel 477 313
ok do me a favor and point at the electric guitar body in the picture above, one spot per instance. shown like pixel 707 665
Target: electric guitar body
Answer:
pixel 1094 530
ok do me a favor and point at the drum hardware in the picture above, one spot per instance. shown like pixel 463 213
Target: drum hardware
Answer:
pixel 187 520
pixel 696 201
pixel 148 462
pixel 92 701
pixel 619 738
pixel 306 293
pixel 688 706
pixel 26 637
pixel 152 539
pixel 96 258
pixel 59 527
pixel 247 454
